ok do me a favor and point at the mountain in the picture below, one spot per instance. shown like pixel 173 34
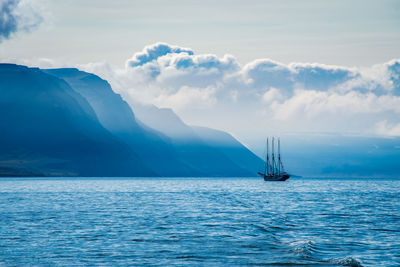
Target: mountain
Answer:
pixel 216 146
pixel 50 129
pixel 230 147
pixel 158 136
pixel 163 120
pixel 66 122
pixel 117 117
pixel 330 155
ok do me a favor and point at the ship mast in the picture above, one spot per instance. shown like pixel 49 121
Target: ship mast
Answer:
pixel 266 171
pixel 273 156
pixel 279 156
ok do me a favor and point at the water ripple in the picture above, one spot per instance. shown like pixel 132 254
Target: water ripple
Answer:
pixel 210 222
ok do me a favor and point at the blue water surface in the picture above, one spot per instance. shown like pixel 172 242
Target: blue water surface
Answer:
pixel 202 222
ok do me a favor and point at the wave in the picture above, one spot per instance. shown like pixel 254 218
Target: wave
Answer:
pixel 347 261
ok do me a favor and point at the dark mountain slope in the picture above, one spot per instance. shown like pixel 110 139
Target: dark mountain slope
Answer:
pixel 117 117
pixel 47 128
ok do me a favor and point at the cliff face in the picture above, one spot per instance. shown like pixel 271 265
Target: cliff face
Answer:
pixel 117 117
pixel 50 129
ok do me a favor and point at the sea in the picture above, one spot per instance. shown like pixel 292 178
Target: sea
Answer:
pixel 199 222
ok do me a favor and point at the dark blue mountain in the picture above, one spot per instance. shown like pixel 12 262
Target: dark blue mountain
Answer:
pixel 47 128
pixel 117 117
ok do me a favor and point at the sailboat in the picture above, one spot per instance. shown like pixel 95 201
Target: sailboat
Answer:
pixel 274 170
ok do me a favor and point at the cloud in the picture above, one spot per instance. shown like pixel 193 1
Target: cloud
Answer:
pixel 174 66
pixel 394 72
pixel 314 104
pixel 320 76
pixel 263 95
pixel 388 129
pixel 272 95
pixel 195 98
pixel 263 73
pixel 153 52
pixel 18 15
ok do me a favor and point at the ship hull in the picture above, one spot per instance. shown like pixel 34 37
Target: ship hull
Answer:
pixel 275 178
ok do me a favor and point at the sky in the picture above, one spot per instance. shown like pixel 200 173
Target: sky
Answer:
pixel 349 33
pixel 247 67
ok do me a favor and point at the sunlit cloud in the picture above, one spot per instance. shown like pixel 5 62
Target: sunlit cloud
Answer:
pixel 264 94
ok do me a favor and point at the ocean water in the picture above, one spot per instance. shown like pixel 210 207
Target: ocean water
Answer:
pixel 200 222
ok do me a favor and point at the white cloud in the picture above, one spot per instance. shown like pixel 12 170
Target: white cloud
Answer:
pixel 261 96
pixel 195 98
pixel 272 95
pixel 388 129
pixel 314 104
pixel 268 73
pixel 153 52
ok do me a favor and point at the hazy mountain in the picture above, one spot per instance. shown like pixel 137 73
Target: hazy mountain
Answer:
pixel 164 120
pixel 47 128
pixel 161 139
pixel 230 147
pixel 341 156
pixel 317 155
pixel 200 145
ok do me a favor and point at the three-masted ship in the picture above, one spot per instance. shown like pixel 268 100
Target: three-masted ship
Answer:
pixel 274 170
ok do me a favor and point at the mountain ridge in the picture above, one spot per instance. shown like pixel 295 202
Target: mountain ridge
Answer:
pixel 80 127
pixel 49 127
